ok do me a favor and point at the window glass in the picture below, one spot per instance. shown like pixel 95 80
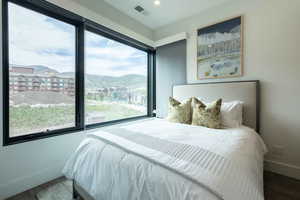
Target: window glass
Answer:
pixel 115 80
pixel 41 54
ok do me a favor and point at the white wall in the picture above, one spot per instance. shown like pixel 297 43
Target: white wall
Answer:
pixel 27 165
pixel 272 39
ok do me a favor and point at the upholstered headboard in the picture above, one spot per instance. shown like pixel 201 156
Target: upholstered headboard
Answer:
pixel 245 91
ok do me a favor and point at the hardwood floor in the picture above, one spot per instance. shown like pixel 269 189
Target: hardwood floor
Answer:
pixel 277 187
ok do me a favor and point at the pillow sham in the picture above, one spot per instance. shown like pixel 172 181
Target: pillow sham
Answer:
pixel 232 114
pixel 206 115
pixel 179 112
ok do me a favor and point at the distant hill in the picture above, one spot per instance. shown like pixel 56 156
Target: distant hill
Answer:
pixel 236 29
pixel 97 81
pixel 40 69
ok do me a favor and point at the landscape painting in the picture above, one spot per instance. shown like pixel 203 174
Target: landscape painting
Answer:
pixel 220 49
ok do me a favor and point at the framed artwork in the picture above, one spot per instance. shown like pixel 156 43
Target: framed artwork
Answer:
pixel 220 49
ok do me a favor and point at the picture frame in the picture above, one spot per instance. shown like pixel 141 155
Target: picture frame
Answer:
pixel 220 49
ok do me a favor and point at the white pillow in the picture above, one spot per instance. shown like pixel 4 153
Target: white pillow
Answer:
pixel 232 114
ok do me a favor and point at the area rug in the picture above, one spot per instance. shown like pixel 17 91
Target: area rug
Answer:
pixel 58 191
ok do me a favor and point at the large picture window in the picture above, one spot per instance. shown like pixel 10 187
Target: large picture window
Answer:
pixel 115 80
pixel 62 73
pixel 41 72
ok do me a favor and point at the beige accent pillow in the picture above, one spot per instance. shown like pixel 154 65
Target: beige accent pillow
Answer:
pixel 179 112
pixel 207 115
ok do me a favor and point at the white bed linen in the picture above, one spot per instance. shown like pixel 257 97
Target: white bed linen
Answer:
pixel 111 173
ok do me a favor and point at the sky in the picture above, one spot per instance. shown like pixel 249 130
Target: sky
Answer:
pixel 35 39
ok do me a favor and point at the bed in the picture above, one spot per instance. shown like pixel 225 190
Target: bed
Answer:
pixel 157 159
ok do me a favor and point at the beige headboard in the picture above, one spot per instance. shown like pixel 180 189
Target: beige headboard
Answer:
pixel 245 91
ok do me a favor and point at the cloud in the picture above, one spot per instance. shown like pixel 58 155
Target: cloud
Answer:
pixel 112 68
pixel 36 39
pixel 104 56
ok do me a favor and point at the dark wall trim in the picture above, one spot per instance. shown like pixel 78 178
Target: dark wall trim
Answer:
pixel 81 25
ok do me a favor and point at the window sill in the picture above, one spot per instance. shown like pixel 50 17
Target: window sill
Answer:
pixel 39 136
pixel 115 122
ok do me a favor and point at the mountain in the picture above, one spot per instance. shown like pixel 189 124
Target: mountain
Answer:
pixel 98 81
pixel 236 29
pixel 40 69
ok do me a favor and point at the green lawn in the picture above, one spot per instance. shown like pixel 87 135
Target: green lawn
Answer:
pixel 24 119
pixel 113 112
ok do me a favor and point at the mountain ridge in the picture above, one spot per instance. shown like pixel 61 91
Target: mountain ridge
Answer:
pixel 97 81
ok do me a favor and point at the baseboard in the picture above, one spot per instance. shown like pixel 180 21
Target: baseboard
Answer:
pixel 24 183
pixel 292 171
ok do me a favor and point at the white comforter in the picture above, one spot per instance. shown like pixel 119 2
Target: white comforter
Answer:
pixel 108 172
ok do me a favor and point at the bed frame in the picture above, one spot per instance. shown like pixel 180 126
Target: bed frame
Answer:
pixel 246 91
pixel 79 193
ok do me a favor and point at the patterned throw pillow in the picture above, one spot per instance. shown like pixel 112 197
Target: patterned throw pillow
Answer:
pixel 179 112
pixel 207 115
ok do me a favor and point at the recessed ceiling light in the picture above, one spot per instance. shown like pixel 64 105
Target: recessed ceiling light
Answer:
pixel 157 2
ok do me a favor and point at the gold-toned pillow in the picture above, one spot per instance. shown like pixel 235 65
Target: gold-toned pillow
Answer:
pixel 206 115
pixel 179 112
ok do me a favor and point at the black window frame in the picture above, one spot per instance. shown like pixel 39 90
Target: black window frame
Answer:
pixel 81 25
pixel 102 31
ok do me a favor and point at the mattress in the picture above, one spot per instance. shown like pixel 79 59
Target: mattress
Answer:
pixel 107 170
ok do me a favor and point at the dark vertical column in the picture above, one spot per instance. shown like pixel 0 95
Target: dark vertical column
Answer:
pixel 5 72
pixel 151 82
pixel 170 71
pixel 80 76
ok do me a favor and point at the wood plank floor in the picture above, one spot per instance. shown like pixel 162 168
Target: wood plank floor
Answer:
pixel 277 187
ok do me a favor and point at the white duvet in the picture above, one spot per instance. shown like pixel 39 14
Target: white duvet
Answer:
pixel 110 173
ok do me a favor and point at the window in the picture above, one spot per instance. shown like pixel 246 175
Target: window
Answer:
pixel 39 44
pixel 115 80
pixel 62 73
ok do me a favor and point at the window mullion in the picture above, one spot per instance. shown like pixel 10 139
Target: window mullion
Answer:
pixel 80 76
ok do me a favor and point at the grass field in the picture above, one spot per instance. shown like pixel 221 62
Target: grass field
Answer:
pixel 113 112
pixel 26 119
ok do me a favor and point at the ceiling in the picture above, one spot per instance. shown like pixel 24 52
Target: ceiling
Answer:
pixel 168 12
